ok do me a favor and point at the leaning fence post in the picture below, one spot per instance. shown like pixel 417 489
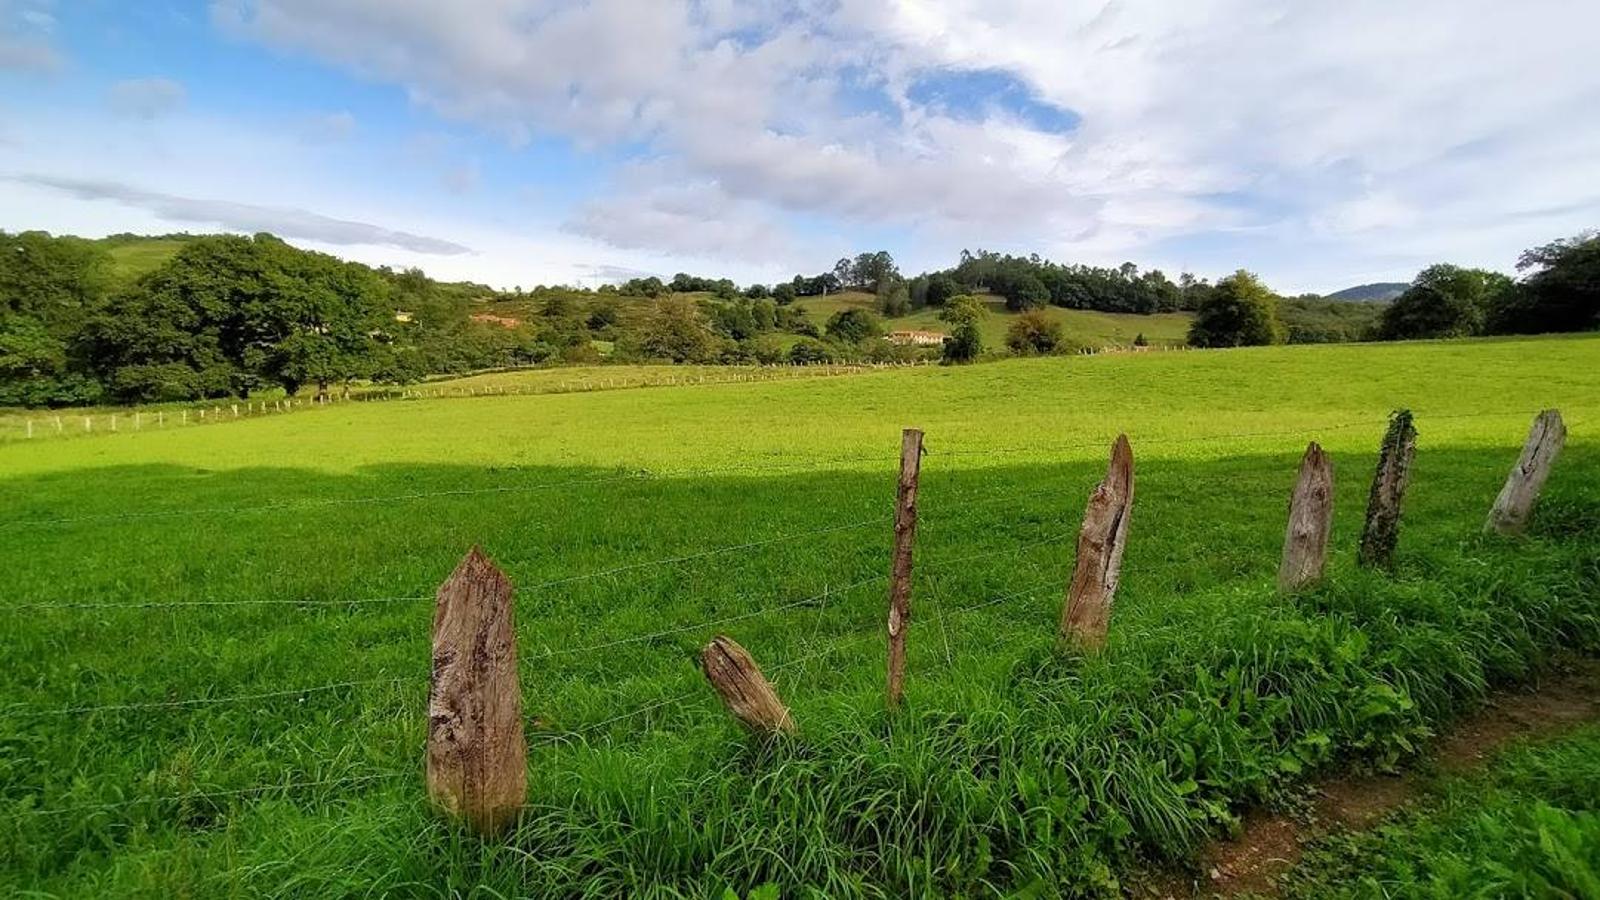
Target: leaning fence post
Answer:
pixel 1382 530
pixel 1305 541
pixel 1087 613
pixel 743 689
pixel 905 538
pixel 1511 510
pixel 477 755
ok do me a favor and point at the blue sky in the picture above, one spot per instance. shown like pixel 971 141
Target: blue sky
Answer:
pixel 527 141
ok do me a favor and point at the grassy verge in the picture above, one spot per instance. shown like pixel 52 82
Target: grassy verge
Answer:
pixel 1528 827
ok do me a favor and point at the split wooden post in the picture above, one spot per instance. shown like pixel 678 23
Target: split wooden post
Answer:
pixel 477 755
pixel 743 689
pixel 1381 533
pixel 1515 504
pixel 905 539
pixel 1305 541
pixel 1086 616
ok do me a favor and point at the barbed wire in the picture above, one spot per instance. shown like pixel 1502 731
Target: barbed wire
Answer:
pixel 548 654
pixel 204 701
pixel 554 582
pixel 832 646
pixel 87 809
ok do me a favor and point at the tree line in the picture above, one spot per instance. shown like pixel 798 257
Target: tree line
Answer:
pixel 230 315
pixel 1558 290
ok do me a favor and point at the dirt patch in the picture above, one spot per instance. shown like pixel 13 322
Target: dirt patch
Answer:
pixel 1269 844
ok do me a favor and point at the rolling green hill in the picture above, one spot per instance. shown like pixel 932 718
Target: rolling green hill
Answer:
pixel 1085 327
pixel 136 255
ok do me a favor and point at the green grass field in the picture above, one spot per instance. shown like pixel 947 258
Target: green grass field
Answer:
pixel 1085 327
pixel 217 639
pixel 133 258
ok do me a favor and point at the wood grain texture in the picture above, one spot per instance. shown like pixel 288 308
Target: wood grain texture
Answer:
pixel 477 754
pixel 1086 615
pixel 1514 507
pixel 1305 540
pixel 737 679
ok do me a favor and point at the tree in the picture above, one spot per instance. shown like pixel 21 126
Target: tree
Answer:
pixel 1443 301
pixel 964 308
pixel 1026 292
pixel 941 288
pixel 1239 312
pixel 783 294
pixel 964 343
pixel 1033 332
pixel 894 299
pixel 1559 291
pixel 853 325
pixel 675 331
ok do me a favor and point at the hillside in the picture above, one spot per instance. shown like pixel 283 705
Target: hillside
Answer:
pixel 1086 328
pixel 217 656
pixel 1377 292
pixel 136 255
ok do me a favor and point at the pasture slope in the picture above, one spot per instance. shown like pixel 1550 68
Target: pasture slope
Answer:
pixel 216 652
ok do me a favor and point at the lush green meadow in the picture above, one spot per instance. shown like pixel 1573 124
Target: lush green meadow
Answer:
pixel 216 639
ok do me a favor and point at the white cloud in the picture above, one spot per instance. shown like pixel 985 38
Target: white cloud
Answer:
pixel 283 221
pixel 1323 121
pixel 146 98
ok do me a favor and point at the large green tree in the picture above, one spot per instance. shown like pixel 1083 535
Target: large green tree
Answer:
pixel 229 314
pixel 1559 291
pixel 1238 312
pixel 1443 301
pixel 49 287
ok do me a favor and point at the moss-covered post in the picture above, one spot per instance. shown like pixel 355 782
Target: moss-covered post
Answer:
pixel 1381 533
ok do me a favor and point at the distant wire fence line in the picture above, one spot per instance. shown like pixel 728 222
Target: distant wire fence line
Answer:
pixel 68 422
pixel 800 463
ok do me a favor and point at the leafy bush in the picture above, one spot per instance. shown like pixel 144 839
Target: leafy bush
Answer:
pixel 1034 332
pixel 1238 312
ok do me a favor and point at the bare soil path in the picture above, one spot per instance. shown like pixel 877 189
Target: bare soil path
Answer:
pixel 1270 843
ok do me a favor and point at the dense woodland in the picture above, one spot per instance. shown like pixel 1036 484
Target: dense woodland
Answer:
pixel 228 315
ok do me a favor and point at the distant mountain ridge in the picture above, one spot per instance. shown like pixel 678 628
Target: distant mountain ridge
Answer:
pixel 1376 292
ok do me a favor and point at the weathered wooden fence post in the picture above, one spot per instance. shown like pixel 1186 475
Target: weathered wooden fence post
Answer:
pixel 1087 613
pixel 905 538
pixel 1305 541
pixel 1382 530
pixel 477 755
pixel 1515 503
pixel 743 689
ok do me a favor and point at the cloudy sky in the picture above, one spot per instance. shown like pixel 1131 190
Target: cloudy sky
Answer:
pixel 1321 144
